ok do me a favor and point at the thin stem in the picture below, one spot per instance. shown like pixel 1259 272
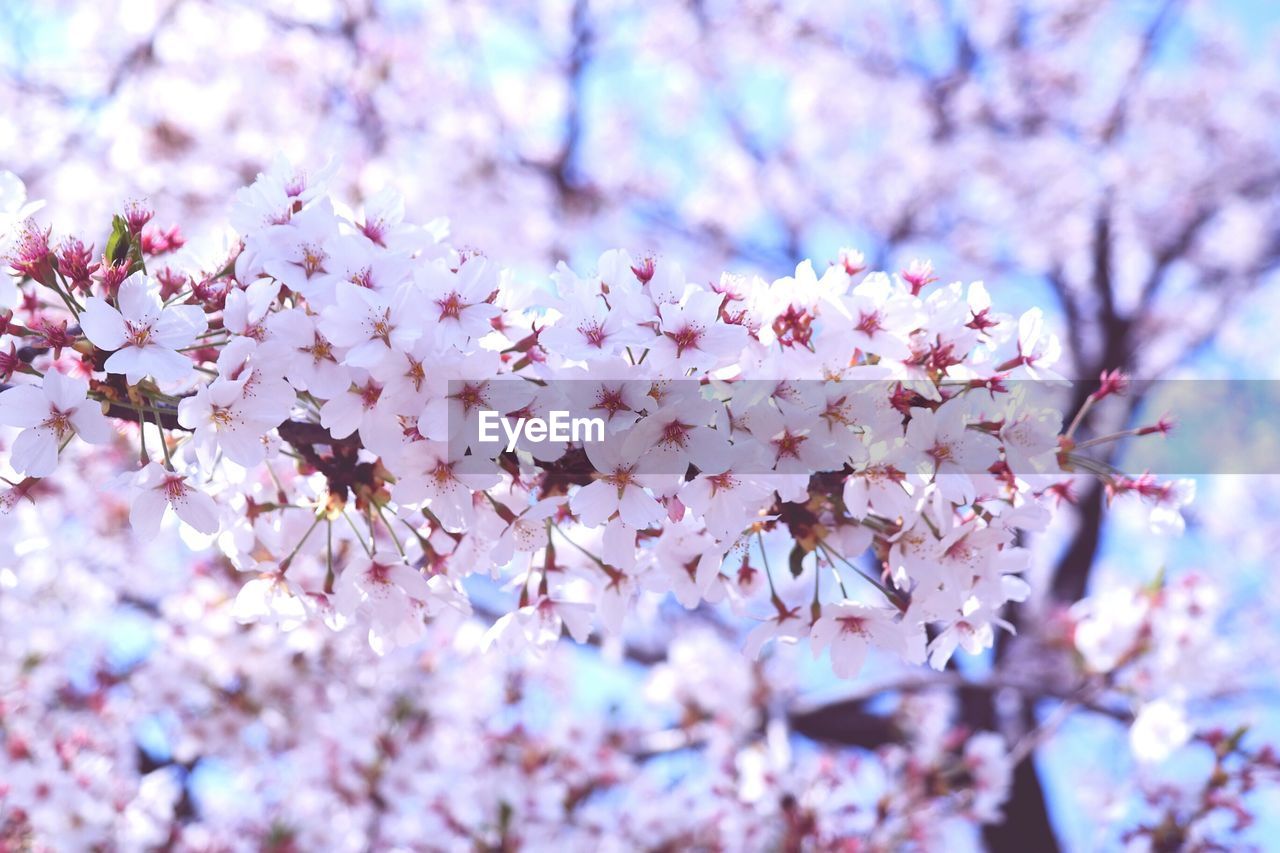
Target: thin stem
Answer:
pixel 391 532
pixel 328 575
pixel 284 564
pixel 368 550
pixel 598 561
pixel 764 557
pixel 1103 439
pixel 1079 418
pixel 885 591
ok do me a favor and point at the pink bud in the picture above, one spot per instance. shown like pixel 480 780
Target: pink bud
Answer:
pixel 136 215
pixel 1111 382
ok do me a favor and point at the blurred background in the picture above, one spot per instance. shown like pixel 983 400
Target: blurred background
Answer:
pixel 1115 162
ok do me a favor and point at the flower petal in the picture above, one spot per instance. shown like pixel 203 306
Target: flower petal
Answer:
pixel 147 512
pixel 91 425
pixel 197 509
pixel 138 301
pixel 23 406
pixel 180 325
pixel 35 452
pixel 63 391
pixel 102 324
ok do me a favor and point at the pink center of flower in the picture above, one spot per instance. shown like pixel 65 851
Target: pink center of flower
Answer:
pixel 855 625
pixel 416 373
pixel 363 278
pixel 369 395
pixel 611 401
pixel 869 323
pixel 593 333
pixel 722 482
pixel 788 445
pixel 471 397
pixel 380 327
pixel 450 307
pixel 175 487
pixel 138 335
pixel 687 337
pixel 60 422
pixel 675 433
pixel 621 477
pixel 313 259
pixel 320 350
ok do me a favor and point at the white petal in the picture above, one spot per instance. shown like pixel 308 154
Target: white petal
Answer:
pixel 638 508
pixel 165 365
pixel 91 425
pixel 137 301
pixel 102 324
pixel 594 503
pixel 35 452
pixel 147 512
pixel 65 391
pixel 242 444
pixel 197 509
pixel 577 618
pixel 341 415
pixel 180 325
pixel 130 362
pixel 23 406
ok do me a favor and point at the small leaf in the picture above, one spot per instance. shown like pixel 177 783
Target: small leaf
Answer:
pixel 118 242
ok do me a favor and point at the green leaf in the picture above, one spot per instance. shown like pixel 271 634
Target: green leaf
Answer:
pixel 118 242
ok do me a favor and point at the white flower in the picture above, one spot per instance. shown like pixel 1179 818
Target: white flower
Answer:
pixel 1038 349
pixel 590 329
pixel 247 309
pixel 1160 729
pixel 295 252
pixel 270 598
pixel 372 324
pixel 426 472
pixel 1030 440
pixel 51 413
pixel 538 625
pixel 157 490
pixel 391 594
pixel 619 489
pixel 692 335
pixel 308 360
pixel 851 628
pixel 224 416
pixel 143 334
pixel 458 307
pixel 732 500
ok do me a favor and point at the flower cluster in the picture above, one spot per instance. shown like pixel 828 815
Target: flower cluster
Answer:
pixel 846 457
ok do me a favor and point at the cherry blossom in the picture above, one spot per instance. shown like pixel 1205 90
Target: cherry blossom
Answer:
pixel 156 490
pixel 50 416
pixel 142 334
